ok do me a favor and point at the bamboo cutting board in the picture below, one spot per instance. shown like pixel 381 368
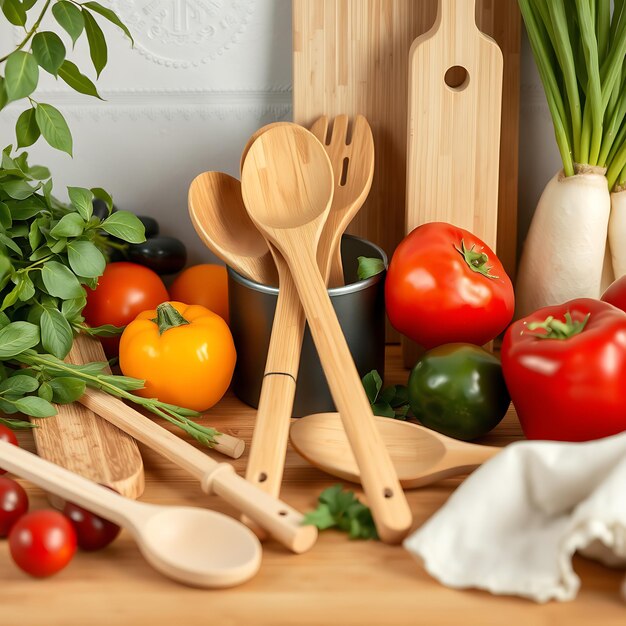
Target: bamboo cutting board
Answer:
pixel 351 56
pixel 79 440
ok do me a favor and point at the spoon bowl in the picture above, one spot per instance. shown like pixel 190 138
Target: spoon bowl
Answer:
pixel 420 456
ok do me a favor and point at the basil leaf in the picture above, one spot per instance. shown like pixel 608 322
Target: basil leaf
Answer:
pixel 85 259
pixel 14 11
pixel 25 287
pixel 35 406
pixel 39 172
pixel 69 18
pixel 17 337
pixel 106 330
pixel 96 7
pixel 372 384
pixel 18 385
pixel 97 42
pixel 383 409
pixel 54 128
pixel 126 226
pixel 18 189
pixel 101 194
pixel 5 216
pixel 72 309
pixel 70 73
pixel 66 389
pixel 60 281
pixel 16 424
pixel 9 243
pixel 81 200
pixel 48 50
pixel 56 333
pixel 369 267
pixel 70 225
pixel 26 129
pixel 21 75
pixel 4 320
pixel 45 392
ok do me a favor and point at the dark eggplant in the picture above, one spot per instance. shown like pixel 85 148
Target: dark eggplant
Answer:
pixel 150 224
pixel 100 209
pixel 164 255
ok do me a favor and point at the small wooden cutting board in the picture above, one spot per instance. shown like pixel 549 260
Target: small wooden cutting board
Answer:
pixel 79 440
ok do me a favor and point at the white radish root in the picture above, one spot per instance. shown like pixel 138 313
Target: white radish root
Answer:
pixel 617 232
pixel 564 252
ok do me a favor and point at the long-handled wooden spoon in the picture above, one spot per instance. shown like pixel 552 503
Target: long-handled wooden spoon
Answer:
pixel 353 162
pixel 287 187
pixel 194 546
pixel 420 456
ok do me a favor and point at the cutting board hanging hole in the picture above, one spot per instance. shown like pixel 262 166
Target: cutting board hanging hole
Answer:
pixel 457 78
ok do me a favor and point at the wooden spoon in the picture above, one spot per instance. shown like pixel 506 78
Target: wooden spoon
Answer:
pixel 354 164
pixel 220 219
pixel 287 187
pixel 420 456
pixel 191 545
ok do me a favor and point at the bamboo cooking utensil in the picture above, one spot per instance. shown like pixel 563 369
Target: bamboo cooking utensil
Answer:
pixel 420 456
pixel 82 442
pixel 194 546
pixel 455 103
pixel 353 161
pixel 287 189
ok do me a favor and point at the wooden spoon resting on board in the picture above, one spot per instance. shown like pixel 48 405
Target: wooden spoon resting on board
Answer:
pixel 81 441
pixel 420 456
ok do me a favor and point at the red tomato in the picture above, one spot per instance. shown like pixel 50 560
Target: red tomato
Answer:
pixel 42 543
pixel 92 532
pixel 565 368
pixel 616 294
pixel 13 504
pixel 444 285
pixel 123 291
pixel 6 434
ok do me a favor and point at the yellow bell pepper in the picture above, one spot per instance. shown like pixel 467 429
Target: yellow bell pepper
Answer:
pixel 185 354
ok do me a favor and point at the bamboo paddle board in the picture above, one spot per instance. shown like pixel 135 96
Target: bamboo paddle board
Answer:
pixel 79 440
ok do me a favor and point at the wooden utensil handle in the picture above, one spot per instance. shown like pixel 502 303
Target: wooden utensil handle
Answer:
pixel 335 276
pixel 378 476
pixel 280 520
pixel 68 485
pixel 265 509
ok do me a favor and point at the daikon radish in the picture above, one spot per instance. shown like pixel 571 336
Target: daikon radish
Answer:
pixel 617 231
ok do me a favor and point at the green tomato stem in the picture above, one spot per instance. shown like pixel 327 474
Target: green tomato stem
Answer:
pixel 559 329
pixel 476 261
pixel 168 317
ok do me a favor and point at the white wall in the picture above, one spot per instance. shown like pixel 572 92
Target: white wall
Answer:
pixel 202 76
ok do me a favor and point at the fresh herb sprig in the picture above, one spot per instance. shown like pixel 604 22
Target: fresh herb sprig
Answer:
pixel 390 402
pixel 341 509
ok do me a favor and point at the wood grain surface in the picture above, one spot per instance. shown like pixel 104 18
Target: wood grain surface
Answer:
pixel 82 442
pixel 337 582
pixel 351 56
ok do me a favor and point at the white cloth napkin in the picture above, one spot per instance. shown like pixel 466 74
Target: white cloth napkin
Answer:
pixel 514 524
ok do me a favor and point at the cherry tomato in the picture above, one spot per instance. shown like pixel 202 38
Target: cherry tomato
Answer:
pixel 123 291
pixel 444 285
pixel 616 293
pixel 6 434
pixel 42 543
pixel 13 504
pixel 92 532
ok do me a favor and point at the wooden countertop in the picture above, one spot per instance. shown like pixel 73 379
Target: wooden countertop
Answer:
pixel 338 582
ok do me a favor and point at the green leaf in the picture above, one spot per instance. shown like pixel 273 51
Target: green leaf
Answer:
pixel 56 333
pixel 18 189
pixel 35 406
pixel 25 208
pixel 66 389
pixel 54 128
pixel 125 226
pixel 16 424
pixel 3 94
pixel 97 42
pixel 123 382
pixel 383 409
pixel 96 7
pixel 25 287
pixel 321 518
pixel 60 281
pixel 14 11
pixel 49 51
pixel 17 337
pixel 18 385
pixel 70 73
pixel 85 259
pixel 81 199
pixel 4 320
pixel 372 383
pixel 45 391
pixel 369 267
pixel 5 216
pixel 26 129
pixel 21 75
pixel 9 243
pixel 69 18
pixel 70 225
pixel 73 308
pixel 101 194
pixel 39 172
pixel 106 330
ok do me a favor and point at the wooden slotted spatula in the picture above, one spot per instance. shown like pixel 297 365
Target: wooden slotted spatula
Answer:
pixel 81 441
pixel 455 102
